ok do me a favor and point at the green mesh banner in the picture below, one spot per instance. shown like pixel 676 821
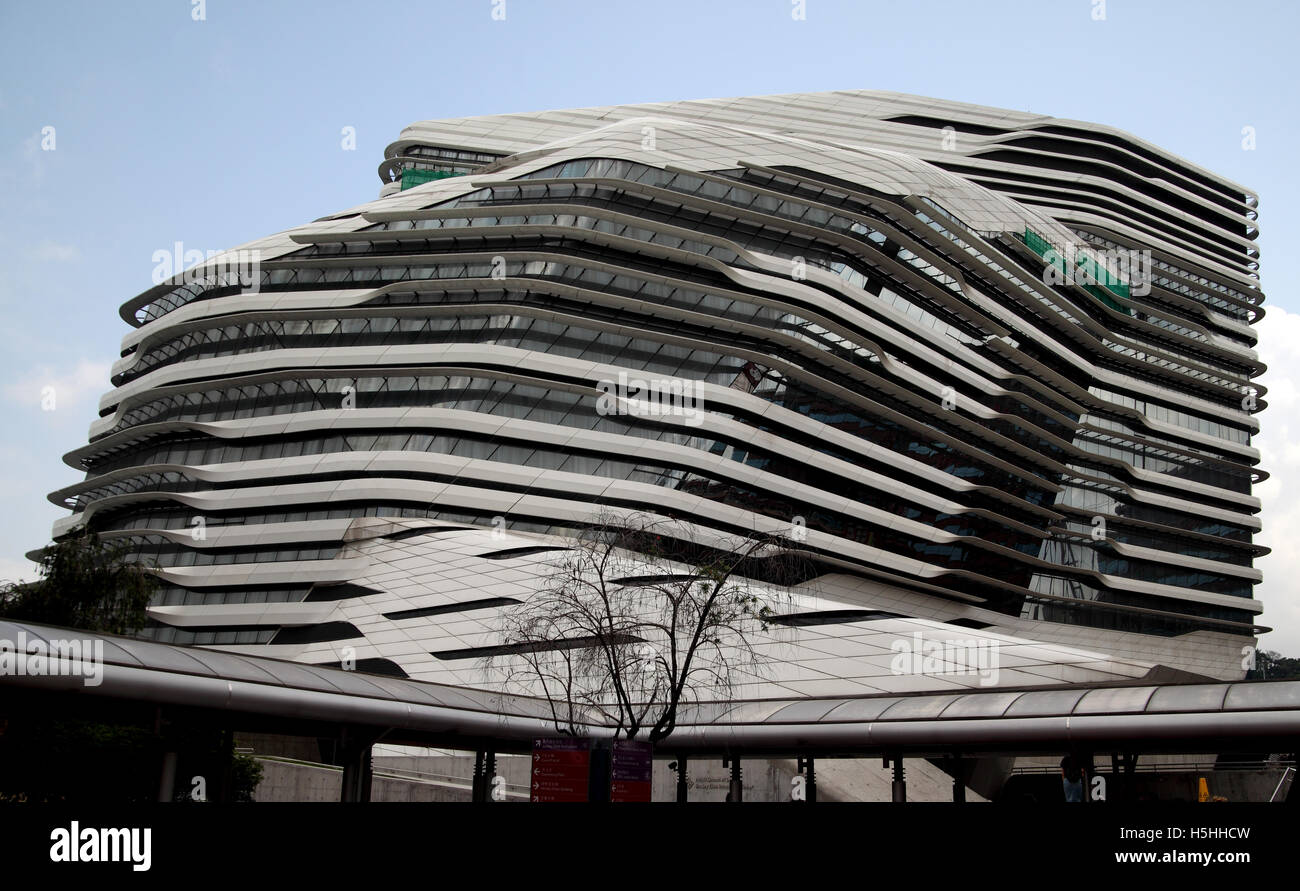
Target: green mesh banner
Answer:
pixel 416 177
pixel 1095 271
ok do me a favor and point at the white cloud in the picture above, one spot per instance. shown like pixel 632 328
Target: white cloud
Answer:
pixel 1279 349
pixel 70 386
pixel 49 251
pixel 18 570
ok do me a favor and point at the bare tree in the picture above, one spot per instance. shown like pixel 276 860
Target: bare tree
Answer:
pixel 638 619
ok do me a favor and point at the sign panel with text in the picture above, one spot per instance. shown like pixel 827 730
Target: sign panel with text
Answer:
pixel 630 770
pixel 561 769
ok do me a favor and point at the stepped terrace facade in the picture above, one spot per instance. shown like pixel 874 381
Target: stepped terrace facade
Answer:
pixel 994 371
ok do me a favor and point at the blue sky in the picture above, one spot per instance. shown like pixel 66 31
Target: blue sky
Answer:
pixel 217 131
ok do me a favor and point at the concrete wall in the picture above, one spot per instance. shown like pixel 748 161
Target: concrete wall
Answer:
pixel 282 781
pixel 288 781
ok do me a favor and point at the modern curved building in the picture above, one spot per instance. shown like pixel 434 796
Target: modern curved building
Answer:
pixel 995 369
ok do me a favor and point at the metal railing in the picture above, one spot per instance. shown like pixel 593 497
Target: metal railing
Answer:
pixel 1101 766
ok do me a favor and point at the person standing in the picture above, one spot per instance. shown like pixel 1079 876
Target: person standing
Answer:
pixel 1073 778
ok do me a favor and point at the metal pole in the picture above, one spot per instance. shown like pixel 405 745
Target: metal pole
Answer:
pixel 167 779
pixel 1285 773
pixel 226 779
pixel 600 772
pixel 900 785
pixel 736 794
pixel 809 771
pixel 357 774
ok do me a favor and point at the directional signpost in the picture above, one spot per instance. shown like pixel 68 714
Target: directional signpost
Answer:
pixel 566 769
pixel 630 771
pixel 561 769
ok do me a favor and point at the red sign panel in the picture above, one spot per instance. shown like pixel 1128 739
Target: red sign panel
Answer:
pixel 561 769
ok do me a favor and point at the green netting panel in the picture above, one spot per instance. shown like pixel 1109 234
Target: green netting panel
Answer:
pixel 416 177
pixel 1107 299
pixel 1040 245
pixel 1103 278
pixel 1037 243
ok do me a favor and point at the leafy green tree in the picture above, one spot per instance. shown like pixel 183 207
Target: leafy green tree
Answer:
pixel 52 759
pixel 95 585
pixel 87 583
pixel 1273 666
